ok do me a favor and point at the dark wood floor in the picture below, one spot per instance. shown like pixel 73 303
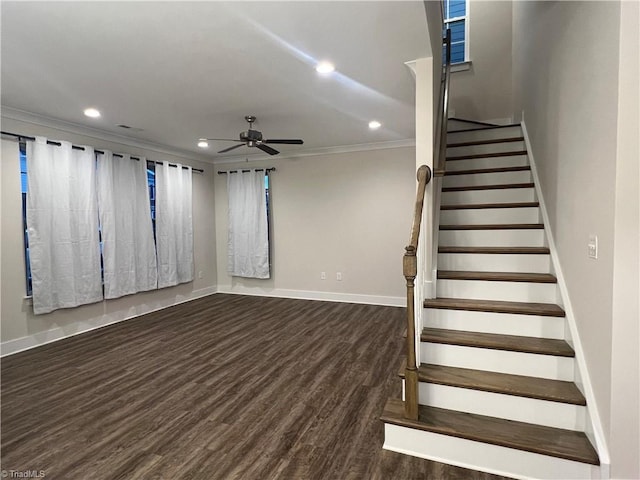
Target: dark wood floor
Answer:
pixel 224 387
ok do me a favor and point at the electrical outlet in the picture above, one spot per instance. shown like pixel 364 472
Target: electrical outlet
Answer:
pixel 323 275
pixel 593 246
pixel 200 274
pixel 339 276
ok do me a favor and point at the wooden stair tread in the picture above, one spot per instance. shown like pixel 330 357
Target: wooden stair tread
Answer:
pixel 500 186
pixel 504 383
pixel 521 168
pixel 487 155
pixel 496 306
pixel 475 122
pixel 514 343
pixel 497 276
pixel 485 128
pixel 555 442
pixel 495 226
pixel 485 142
pixel 496 250
pixel 475 206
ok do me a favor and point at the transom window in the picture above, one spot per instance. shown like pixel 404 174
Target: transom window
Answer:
pixel 455 18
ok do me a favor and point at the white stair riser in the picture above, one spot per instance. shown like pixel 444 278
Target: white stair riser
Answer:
pixel 484 134
pixel 503 291
pixel 483 457
pixel 487 162
pixel 505 195
pixel 499 178
pixel 499 323
pixel 486 262
pixel 486 148
pixel 510 407
pixel 492 238
pixel 479 216
pixel 503 361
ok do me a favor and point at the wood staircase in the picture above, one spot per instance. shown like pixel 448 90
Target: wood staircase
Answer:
pixel 497 387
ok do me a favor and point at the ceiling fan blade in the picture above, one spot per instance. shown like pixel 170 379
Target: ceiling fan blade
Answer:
pixel 223 139
pixel 231 148
pixel 285 141
pixel 269 150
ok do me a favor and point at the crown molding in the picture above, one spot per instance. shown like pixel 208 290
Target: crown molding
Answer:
pixel 50 122
pixel 360 147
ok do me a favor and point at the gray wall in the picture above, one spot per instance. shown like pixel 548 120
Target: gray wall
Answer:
pixel 577 89
pixel 18 320
pixel 344 212
pixel 485 92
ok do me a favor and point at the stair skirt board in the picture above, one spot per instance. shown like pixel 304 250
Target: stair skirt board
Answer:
pixel 475 179
pixel 503 291
pixel 499 405
pixel 488 162
pixel 492 238
pixel 484 134
pixel 484 457
pixel 503 361
pixel 503 195
pixel 486 262
pixel 498 323
pixel 485 148
pixel 478 216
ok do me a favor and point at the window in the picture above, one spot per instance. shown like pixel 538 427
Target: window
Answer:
pixel 151 180
pixel 24 185
pixel 455 18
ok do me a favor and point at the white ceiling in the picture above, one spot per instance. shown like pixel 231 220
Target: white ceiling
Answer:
pixel 184 70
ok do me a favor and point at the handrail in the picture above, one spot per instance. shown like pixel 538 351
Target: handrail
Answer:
pixel 410 270
pixel 443 114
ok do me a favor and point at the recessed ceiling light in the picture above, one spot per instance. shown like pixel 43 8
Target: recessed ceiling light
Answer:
pixel 92 112
pixel 325 67
pixel 374 124
pixel 202 143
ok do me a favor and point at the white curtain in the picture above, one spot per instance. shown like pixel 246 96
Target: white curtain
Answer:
pixel 174 227
pixel 62 220
pixel 128 248
pixel 248 242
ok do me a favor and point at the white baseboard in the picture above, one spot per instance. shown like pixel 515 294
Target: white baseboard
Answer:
pixel 314 295
pixel 582 377
pixel 42 338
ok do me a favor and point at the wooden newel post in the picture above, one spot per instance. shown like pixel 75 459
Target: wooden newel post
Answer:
pixel 410 269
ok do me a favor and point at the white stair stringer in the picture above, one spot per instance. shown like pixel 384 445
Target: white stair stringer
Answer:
pixel 484 457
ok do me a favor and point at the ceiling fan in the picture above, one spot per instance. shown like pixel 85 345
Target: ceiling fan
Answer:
pixel 253 138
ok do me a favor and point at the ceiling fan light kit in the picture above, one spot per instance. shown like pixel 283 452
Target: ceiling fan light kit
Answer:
pixel 253 138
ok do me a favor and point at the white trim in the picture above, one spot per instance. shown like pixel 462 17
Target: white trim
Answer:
pixel 460 66
pixel 70 127
pixel 360 147
pixel 581 364
pixel 53 335
pixel 314 295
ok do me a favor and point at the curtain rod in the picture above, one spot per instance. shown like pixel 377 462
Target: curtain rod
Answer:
pixel 76 147
pixel 266 170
